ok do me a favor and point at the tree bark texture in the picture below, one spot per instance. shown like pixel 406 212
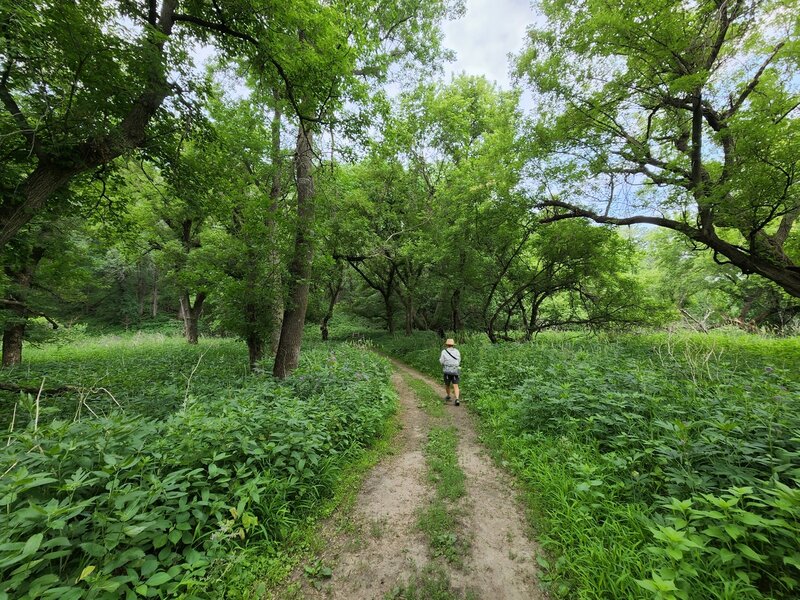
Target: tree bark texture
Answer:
pixel 14 329
pixel 334 289
pixel 294 315
pixel 13 334
pixel 275 194
pixel 191 315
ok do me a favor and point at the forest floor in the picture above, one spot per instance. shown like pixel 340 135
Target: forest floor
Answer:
pixel 384 545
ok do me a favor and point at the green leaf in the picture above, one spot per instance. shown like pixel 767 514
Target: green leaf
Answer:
pixel 159 578
pixel 32 545
pixel 86 572
pixel 750 553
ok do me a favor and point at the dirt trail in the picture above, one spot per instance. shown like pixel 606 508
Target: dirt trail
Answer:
pixel 381 547
pixel 502 562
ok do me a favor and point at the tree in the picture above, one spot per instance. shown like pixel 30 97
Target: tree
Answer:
pixel 460 143
pixel 172 203
pixel 692 105
pixel 78 91
pixel 45 275
pixel 708 295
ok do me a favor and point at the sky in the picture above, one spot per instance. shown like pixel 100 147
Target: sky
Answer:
pixel 484 37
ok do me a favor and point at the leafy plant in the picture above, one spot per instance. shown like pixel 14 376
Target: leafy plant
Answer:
pixel 123 505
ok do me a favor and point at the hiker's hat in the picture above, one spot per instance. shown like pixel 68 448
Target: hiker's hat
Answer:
pixel 450 342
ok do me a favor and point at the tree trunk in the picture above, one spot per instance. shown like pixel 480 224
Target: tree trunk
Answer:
pixel 294 316
pixel 490 332
pixel 275 194
pixel 40 185
pixel 13 334
pixel 255 349
pixel 141 290
pixel 455 305
pixel 14 330
pixel 333 297
pixel 154 304
pixel 387 303
pixel 409 329
pixel 191 315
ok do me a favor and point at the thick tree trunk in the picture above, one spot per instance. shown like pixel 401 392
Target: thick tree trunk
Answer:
pixel 14 330
pixel 191 315
pixel 40 185
pixel 13 334
pixel 275 194
pixel 294 316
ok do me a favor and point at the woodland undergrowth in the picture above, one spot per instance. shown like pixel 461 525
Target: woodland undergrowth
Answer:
pixel 123 504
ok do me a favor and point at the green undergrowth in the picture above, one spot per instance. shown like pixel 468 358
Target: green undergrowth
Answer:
pixel 662 466
pixel 257 570
pixel 186 504
pixel 439 520
pixel 149 374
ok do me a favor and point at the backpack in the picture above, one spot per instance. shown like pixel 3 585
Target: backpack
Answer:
pixel 448 370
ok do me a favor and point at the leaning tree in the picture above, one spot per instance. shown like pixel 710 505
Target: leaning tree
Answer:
pixel 682 115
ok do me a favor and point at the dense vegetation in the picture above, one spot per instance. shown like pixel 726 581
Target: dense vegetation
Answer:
pixel 141 182
pixel 662 463
pixel 128 504
pixel 238 170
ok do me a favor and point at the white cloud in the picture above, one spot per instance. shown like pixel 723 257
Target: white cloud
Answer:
pixel 486 35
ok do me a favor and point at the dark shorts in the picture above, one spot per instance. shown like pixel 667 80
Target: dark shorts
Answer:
pixel 450 379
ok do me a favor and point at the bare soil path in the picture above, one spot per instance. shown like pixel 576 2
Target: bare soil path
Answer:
pixel 377 546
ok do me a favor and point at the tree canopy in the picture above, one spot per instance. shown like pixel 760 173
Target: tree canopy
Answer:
pixel 674 114
pixel 253 193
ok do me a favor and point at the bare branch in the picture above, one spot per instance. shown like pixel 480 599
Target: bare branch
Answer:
pixel 28 132
pixel 737 104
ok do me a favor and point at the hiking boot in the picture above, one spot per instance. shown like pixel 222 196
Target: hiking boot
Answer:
pixel 457 402
pixel 447 398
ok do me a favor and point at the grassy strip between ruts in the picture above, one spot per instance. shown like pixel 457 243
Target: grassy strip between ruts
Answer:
pixel 439 520
pixel 433 583
pixel 432 403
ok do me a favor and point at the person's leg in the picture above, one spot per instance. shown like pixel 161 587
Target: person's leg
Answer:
pixel 458 394
pixel 446 389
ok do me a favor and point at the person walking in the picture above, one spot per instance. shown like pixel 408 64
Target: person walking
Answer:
pixel 450 359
